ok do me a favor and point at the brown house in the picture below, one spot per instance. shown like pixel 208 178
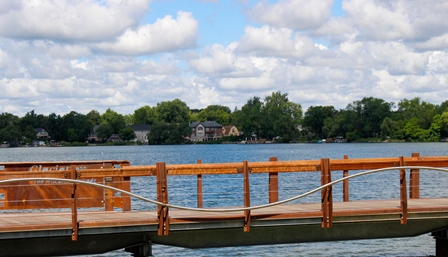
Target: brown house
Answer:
pixel 41 133
pixel 230 131
pixel 205 131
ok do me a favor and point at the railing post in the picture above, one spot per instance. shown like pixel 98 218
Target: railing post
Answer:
pixel 327 195
pixel 75 224
pixel 109 194
pixel 273 183
pixel 199 187
pixel 246 196
pixel 403 194
pixel 162 196
pixel 345 193
pixel 414 181
pixel 126 185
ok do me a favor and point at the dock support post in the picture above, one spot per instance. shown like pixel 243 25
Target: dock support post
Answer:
pixel 143 250
pixel 441 238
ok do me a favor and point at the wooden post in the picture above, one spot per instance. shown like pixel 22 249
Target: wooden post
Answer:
pixel 109 194
pixel 125 185
pixel 273 183
pixel 75 224
pixel 345 193
pixel 414 181
pixel 162 196
pixel 246 196
pixel 199 187
pixel 327 195
pixel 403 194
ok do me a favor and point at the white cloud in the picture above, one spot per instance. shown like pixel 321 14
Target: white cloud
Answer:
pixel 164 35
pixel 268 41
pixel 62 20
pixel 86 54
pixel 293 14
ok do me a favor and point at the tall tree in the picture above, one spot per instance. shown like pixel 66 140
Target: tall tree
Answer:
pixel 114 119
pixel 218 113
pixel 281 117
pixel 370 113
pixel 77 126
pixel 94 116
pixel 315 117
pixel 144 115
pixel 415 108
pixel 175 111
pixel 252 116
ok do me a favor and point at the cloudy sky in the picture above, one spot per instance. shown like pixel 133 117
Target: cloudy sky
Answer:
pixel 62 55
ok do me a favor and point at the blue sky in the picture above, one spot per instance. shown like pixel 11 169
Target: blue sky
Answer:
pixel 85 55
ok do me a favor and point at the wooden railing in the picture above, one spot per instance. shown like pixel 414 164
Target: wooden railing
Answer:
pixel 118 173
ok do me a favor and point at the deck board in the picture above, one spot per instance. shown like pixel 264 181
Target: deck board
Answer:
pixel 10 222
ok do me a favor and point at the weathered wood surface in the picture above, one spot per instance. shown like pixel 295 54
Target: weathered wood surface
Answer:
pixel 13 222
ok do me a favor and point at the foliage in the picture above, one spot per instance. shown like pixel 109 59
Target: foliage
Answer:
pixel 175 111
pixel 218 113
pixel 127 134
pixel 168 133
pixel 314 120
pixel 281 118
pixel 114 119
pixel 144 115
pixel 104 131
pixel 274 118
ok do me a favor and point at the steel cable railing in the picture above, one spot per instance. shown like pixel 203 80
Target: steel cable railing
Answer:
pixel 340 180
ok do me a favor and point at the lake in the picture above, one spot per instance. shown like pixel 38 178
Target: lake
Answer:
pixel 182 189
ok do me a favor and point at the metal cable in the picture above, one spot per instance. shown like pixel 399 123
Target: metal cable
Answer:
pixel 224 210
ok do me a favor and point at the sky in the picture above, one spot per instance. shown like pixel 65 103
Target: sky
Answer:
pixel 58 56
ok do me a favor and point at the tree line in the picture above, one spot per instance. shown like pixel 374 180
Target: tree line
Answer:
pixel 275 118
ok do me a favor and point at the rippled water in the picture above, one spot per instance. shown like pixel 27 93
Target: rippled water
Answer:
pixel 182 190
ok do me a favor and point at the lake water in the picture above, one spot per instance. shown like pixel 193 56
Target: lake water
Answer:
pixel 182 189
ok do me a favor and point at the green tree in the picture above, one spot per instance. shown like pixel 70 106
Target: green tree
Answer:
pixel 387 127
pixel 281 118
pixel 444 124
pixel 54 125
pixel 114 119
pixel 370 114
pixel 218 113
pixel 127 134
pixel 175 111
pixel 76 126
pixel 34 120
pixel 415 108
pixel 11 134
pixel 168 133
pixel 251 117
pixel 144 115
pixel 104 131
pixel 315 117
pixel 94 116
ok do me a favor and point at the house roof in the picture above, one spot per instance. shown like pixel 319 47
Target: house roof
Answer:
pixel 37 130
pixel 206 124
pixel 140 127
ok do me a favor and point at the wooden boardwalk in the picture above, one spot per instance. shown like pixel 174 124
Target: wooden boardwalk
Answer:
pixel 356 210
pixel 30 226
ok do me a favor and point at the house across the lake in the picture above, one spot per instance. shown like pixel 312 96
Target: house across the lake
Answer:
pixel 205 131
pixel 41 133
pixel 230 131
pixel 141 132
